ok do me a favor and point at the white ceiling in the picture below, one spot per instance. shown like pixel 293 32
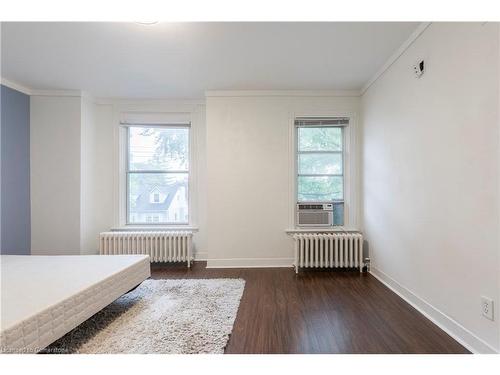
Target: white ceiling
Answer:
pixel 182 60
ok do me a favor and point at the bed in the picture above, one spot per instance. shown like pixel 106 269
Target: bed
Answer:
pixel 44 297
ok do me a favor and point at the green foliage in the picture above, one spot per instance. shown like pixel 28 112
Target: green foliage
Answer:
pixel 320 188
pixel 323 146
pixel 320 139
pixel 171 149
pixel 324 163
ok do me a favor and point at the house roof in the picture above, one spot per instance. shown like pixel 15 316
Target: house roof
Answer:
pixel 143 203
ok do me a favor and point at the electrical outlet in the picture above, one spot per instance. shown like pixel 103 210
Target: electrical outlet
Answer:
pixel 487 307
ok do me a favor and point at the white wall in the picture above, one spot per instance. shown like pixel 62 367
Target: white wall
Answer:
pixel 76 181
pixel 430 178
pixel 55 174
pixel 262 132
pixel 97 173
pixel 250 173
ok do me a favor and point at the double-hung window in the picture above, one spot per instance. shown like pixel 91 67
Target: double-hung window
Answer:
pixel 157 174
pixel 320 163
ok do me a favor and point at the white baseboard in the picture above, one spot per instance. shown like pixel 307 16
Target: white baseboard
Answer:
pixel 250 263
pixel 461 334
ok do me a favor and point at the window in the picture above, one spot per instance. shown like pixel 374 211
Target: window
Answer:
pixel 157 171
pixel 320 163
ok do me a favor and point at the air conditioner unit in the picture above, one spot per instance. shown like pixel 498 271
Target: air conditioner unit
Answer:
pixel 314 214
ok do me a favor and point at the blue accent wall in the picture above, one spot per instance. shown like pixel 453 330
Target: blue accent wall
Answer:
pixel 15 222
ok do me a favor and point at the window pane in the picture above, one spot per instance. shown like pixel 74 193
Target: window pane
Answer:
pixel 320 139
pixel 158 148
pixel 320 189
pixel 320 163
pixel 338 213
pixel 157 198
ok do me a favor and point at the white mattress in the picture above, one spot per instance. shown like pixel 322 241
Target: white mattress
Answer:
pixel 44 297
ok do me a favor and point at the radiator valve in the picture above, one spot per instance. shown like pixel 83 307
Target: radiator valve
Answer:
pixel 367 264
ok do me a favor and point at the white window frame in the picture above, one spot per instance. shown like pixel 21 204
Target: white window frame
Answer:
pixel 298 174
pixel 350 164
pixel 128 171
pixel 155 112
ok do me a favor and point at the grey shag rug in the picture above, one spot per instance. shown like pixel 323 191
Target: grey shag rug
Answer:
pixel 182 316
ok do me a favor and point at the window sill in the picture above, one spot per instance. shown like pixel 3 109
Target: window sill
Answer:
pixel 152 228
pixel 321 229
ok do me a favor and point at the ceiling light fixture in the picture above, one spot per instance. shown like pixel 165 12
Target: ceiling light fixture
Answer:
pixel 147 23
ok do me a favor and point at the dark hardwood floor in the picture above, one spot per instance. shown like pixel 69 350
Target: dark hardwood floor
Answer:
pixel 320 311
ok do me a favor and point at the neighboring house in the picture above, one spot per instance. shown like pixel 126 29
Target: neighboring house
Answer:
pixel 161 204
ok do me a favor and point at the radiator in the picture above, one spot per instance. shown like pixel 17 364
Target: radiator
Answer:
pixel 323 250
pixel 161 246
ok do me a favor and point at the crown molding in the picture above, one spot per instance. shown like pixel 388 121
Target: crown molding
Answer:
pixel 282 93
pixel 89 96
pixel 396 55
pixel 34 92
pixel 15 86
pixel 138 101
pixel 69 93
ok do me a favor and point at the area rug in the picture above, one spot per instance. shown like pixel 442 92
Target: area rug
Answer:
pixel 187 316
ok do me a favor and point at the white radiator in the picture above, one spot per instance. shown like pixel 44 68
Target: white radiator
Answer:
pixel 339 250
pixel 161 246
